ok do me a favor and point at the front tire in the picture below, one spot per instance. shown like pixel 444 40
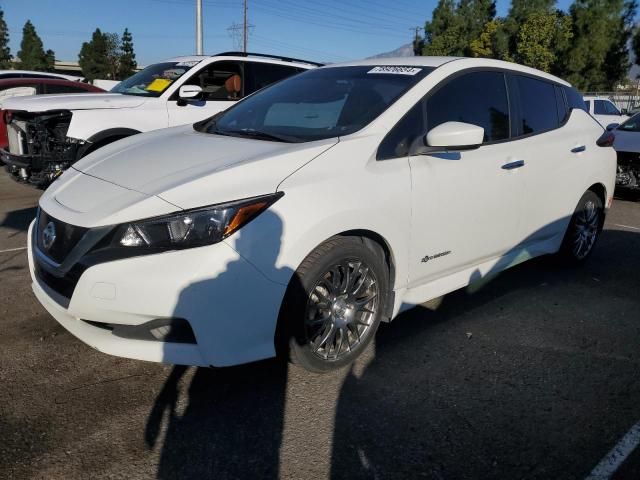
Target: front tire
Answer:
pixel 334 304
pixel 584 229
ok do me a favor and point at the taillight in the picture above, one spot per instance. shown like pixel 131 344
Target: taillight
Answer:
pixel 606 140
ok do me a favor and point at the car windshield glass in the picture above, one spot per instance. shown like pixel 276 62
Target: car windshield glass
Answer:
pixel 317 104
pixel 631 125
pixel 154 79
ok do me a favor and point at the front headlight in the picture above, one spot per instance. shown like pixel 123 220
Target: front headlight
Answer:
pixel 193 228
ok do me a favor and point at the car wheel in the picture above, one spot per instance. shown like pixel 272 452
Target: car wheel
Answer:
pixel 584 229
pixel 334 303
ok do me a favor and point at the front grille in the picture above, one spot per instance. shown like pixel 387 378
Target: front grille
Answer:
pixel 61 285
pixel 67 237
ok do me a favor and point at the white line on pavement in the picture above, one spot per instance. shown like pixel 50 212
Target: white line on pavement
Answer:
pixel 616 457
pixel 626 226
pixel 13 250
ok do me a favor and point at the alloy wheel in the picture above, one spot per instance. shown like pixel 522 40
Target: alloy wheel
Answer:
pixel 341 309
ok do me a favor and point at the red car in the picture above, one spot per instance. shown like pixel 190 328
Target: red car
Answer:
pixel 36 86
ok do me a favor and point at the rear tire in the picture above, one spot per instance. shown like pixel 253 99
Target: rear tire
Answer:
pixel 584 229
pixel 334 304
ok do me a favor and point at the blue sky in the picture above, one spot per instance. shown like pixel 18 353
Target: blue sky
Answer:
pixel 322 30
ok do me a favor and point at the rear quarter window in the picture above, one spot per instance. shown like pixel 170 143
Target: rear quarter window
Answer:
pixel 575 100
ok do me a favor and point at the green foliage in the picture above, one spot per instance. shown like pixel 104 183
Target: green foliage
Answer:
pixel 5 53
pixel 443 32
pixel 455 25
pixel 128 63
pixel 538 39
pixel 107 56
pixel 32 55
pixel 598 57
pixel 589 45
pixel 486 45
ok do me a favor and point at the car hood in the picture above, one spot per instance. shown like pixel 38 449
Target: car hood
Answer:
pixel 626 141
pixel 191 169
pixel 74 101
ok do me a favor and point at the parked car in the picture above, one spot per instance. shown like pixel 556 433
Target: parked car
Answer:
pixel 7 74
pixel 51 133
pixel 604 110
pixel 627 145
pixel 19 87
pixel 306 214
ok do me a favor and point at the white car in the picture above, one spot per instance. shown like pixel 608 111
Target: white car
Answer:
pixel 605 111
pixel 305 215
pixel 49 133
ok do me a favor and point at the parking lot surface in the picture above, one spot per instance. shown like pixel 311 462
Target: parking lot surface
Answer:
pixel 534 374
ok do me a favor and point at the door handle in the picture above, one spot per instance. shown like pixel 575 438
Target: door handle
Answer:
pixel 513 165
pixel 579 149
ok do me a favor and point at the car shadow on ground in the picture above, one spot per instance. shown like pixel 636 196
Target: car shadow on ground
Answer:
pixel 516 377
pixel 19 220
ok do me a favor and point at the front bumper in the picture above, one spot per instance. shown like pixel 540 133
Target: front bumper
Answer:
pixel 231 307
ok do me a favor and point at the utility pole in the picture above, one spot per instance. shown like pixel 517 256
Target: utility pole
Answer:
pixel 417 43
pixel 198 27
pixel 244 29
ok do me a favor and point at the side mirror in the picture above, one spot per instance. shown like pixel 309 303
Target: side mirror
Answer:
pixel 455 136
pixel 190 92
pixel 625 111
pixel 612 126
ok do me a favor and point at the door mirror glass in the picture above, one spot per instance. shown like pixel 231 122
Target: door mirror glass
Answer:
pixel 190 92
pixel 612 126
pixel 455 136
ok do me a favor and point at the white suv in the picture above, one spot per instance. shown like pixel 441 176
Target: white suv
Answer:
pixel 304 215
pixel 604 111
pixel 47 133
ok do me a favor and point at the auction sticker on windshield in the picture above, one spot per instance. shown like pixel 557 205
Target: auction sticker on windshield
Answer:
pixel 395 70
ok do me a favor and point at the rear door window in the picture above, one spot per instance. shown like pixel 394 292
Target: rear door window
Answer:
pixel 538 105
pixel 259 75
pixel 478 98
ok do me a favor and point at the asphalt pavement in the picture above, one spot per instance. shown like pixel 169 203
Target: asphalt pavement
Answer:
pixel 534 375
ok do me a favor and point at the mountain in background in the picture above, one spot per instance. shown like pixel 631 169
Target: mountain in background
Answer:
pixel 403 51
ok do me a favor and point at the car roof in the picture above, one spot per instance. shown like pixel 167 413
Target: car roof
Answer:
pixel 465 62
pixel 258 57
pixel 38 74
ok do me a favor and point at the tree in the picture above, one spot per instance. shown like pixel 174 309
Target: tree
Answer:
pixel 443 32
pixel 5 53
pixel 474 16
pixel 538 38
pixel 598 58
pixel 486 44
pixel 128 63
pixel 32 55
pixel 96 56
pixel 50 57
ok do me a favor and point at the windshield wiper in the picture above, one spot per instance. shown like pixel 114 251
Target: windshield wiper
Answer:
pixel 257 134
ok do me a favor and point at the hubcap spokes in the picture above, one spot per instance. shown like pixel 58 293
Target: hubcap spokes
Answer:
pixel 341 309
pixel 587 224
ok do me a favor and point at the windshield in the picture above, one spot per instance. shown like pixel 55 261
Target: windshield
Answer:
pixel 631 125
pixel 153 80
pixel 317 104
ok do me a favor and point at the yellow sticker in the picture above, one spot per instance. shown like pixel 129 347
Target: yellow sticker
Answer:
pixel 158 85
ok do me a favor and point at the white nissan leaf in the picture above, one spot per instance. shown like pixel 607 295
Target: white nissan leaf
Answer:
pixel 299 219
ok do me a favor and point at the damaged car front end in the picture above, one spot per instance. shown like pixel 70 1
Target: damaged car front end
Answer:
pixel 39 149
